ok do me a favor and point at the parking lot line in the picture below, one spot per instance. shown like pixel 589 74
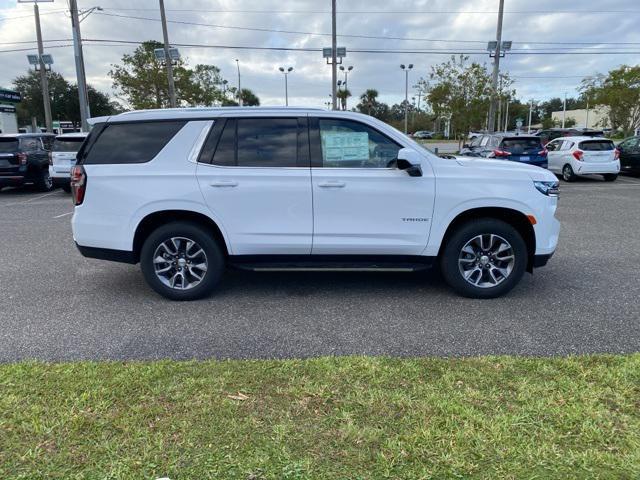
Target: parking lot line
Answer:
pixel 30 200
pixel 63 215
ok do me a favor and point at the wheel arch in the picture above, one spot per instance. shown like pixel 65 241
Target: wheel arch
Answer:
pixel 156 219
pixel 515 218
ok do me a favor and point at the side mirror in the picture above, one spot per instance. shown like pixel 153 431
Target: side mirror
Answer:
pixel 409 161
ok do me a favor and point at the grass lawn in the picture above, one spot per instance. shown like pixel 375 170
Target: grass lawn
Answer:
pixel 344 418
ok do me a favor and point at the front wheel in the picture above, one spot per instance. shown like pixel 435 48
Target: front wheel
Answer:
pixel 44 182
pixel 182 261
pixel 484 258
pixel 610 177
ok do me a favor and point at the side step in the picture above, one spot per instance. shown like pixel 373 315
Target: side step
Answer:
pixel 331 263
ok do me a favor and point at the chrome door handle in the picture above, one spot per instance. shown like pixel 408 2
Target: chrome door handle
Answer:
pixel 332 184
pixel 224 183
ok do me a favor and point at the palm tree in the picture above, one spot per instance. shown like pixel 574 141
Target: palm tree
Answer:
pixel 342 95
pixel 369 99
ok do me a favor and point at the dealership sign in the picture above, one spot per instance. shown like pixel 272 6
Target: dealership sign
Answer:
pixel 10 96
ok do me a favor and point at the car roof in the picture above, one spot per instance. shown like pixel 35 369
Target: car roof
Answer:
pixel 513 135
pixel 192 113
pixel 581 138
pixel 62 136
pixel 25 135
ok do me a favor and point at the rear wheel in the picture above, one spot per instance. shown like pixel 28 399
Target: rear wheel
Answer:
pixel 43 181
pixel 484 258
pixel 610 177
pixel 182 261
pixel 567 173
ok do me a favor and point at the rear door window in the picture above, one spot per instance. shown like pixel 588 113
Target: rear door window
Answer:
pixel 596 145
pixel 8 145
pixel 137 142
pixel 269 142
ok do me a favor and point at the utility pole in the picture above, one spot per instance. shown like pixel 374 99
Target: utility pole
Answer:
pixel 586 122
pixel 165 35
pixel 44 82
pixel 564 108
pixel 506 116
pixel 496 71
pixel 83 94
pixel 239 90
pixel 530 113
pixel 334 60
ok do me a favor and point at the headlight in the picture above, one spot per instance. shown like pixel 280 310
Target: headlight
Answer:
pixel 551 189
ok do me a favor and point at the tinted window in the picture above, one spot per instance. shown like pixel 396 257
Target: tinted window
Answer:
pixel 352 144
pixel 47 142
pixel 131 142
pixel 8 145
pixel 67 144
pixel 226 152
pixel 596 145
pixel 476 141
pixel 29 144
pixel 521 144
pixel 553 146
pixel 267 142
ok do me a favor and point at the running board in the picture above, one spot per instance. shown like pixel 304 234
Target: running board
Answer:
pixel 331 263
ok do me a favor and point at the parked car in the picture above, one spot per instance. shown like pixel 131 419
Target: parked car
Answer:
pixel 187 192
pixel 629 150
pixel 516 148
pixel 573 156
pixel 24 158
pixel 63 157
pixel 424 134
pixel 553 133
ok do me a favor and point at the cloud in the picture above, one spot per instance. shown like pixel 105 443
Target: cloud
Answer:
pixel 310 82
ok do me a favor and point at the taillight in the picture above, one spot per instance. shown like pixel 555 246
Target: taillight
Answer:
pixel 543 153
pixel 616 154
pixel 22 158
pixel 50 158
pixel 78 184
pixel 501 153
pixel 578 154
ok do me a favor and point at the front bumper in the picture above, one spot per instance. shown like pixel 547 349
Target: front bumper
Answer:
pixel 541 260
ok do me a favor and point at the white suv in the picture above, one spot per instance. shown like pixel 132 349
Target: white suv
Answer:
pixel 186 192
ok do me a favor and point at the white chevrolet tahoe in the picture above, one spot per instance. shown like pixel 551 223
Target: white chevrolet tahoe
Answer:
pixel 188 192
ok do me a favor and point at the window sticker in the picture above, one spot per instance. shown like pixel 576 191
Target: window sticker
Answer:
pixel 344 146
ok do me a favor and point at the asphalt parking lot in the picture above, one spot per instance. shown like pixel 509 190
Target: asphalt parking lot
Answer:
pixel 57 305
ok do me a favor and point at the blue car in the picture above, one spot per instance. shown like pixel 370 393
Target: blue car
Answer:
pixel 516 148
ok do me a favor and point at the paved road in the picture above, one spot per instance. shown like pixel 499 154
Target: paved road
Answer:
pixel 57 305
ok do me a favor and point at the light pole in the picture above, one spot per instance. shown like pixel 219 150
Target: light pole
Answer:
pixel 286 86
pixel 165 36
pixel 346 77
pixel 334 56
pixel 239 96
pixel 530 113
pixel 496 71
pixel 406 93
pixel 564 108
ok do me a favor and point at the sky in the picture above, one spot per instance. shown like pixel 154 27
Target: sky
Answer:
pixel 569 38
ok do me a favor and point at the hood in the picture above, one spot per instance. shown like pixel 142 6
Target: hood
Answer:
pixel 490 164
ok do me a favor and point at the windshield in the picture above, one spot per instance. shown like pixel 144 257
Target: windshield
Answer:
pixel 8 145
pixel 596 145
pixel 68 144
pixel 520 144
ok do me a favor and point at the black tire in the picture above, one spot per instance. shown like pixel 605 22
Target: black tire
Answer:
pixel 66 187
pixel 449 260
pixel 204 238
pixel 43 181
pixel 567 173
pixel 610 177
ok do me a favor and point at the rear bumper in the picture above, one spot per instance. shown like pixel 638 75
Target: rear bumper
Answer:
pixel 585 168
pixel 8 180
pixel 122 256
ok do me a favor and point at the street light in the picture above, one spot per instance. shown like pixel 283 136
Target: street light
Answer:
pixel 406 93
pixel 286 72
pixel 239 96
pixel 346 74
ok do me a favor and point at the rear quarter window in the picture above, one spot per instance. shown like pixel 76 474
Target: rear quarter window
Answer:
pixel 137 142
pixel 596 145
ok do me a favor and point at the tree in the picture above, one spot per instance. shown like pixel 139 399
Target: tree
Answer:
pixel 370 105
pixel 249 99
pixel 342 95
pixel 620 92
pixel 142 80
pixel 65 104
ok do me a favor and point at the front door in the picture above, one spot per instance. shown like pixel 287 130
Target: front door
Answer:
pixel 255 177
pixel 360 204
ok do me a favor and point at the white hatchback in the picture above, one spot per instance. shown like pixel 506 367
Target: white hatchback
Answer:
pixel 63 156
pixel 573 156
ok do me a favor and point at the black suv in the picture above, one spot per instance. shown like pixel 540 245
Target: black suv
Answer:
pixel 629 150
pixel 553 133
pixel 24 158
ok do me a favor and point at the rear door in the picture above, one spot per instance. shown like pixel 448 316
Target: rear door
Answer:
pixel 9 162
pixel 360 204
pixel 597 151
pixel 630 153
pixel 255 177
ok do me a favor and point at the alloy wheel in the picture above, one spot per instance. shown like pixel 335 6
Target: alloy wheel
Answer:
pixel 180 263
pixel 486 260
